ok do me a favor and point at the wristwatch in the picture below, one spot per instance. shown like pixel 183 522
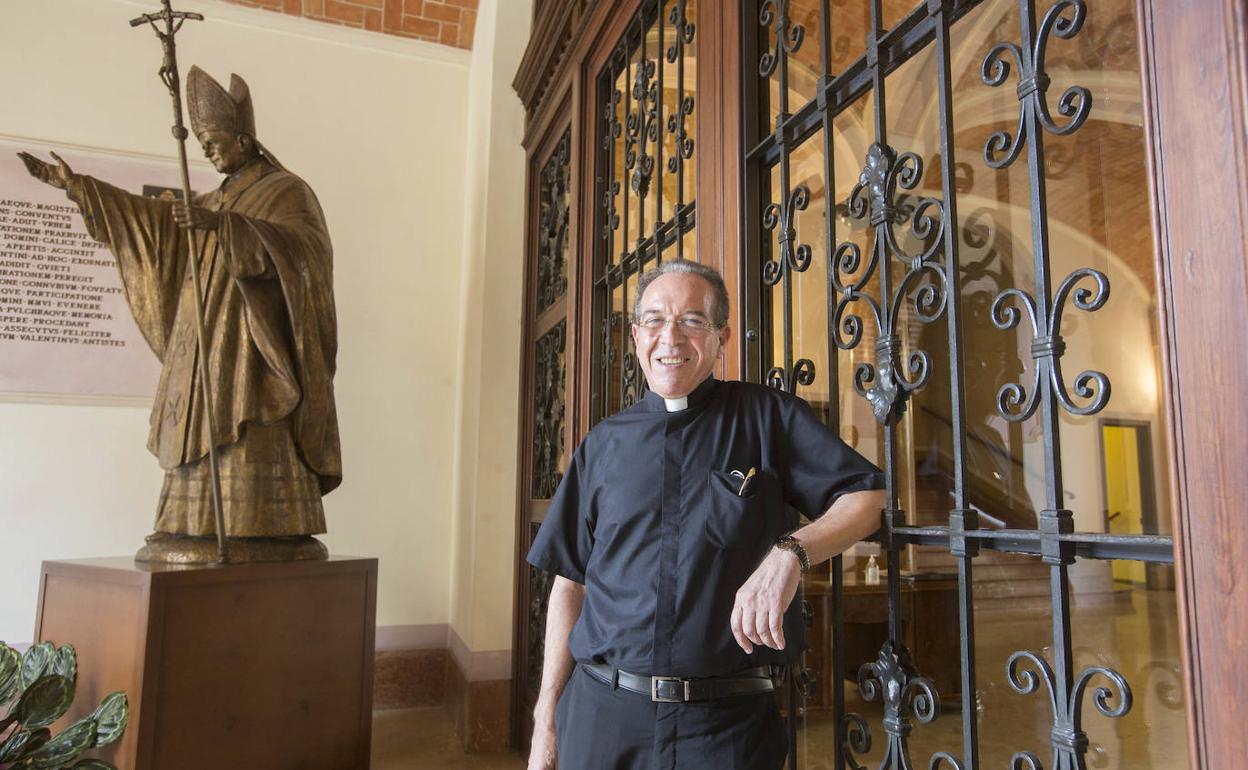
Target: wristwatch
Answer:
pixel 789 543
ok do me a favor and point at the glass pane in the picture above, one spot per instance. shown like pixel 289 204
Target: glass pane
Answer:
pixel 1132 631
pixel 851 23
pixel 896 10
pixel 806 63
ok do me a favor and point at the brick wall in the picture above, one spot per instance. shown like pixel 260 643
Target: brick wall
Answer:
pixel 448 22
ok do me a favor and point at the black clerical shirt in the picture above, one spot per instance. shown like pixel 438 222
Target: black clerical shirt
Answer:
pixel 649 519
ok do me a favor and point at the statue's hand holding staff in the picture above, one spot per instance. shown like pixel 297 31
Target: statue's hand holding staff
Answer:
pixel 58 176
pixel 195 217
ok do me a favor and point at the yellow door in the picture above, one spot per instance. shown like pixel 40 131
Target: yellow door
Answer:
pixel 1123 495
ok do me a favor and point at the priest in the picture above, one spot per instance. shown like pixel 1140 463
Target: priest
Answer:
pixel 266 268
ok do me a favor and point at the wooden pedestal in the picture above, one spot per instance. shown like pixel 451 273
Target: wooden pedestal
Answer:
pixel 264 666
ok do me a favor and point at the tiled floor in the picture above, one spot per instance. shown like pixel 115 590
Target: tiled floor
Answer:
pixel 1130 631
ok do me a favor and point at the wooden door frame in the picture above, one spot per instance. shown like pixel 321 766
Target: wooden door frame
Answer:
pixel 541 144
pixel 1195 80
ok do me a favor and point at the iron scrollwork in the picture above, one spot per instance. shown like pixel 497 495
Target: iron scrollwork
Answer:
pixel 684 30
pixel 539 598
pixel 642 129
pixel 1070 742
pixel 887 384
pixel 856 739
pixel 775 13
pixel 893 679
pixel 548 411
pixel 611 191
pixel 552 282
pixel 802 373
pixel 634 379
pixel 1075 102
pixel 1014 402
pixel 791 258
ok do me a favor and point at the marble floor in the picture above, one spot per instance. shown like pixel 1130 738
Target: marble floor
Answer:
pixel 1131 631
pixel 424 739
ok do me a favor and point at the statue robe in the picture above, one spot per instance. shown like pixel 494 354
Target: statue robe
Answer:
pixel 271 329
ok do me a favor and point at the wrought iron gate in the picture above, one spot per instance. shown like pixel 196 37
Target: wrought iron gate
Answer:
pixel 645 171
pixel 896 272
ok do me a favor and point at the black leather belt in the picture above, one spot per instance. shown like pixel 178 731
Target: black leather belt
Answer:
pixel 675 689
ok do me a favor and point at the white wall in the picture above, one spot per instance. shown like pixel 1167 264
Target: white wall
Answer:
pixel 377 125
pixel 487 414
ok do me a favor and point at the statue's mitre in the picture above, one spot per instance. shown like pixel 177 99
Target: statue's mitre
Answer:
pixel 213 108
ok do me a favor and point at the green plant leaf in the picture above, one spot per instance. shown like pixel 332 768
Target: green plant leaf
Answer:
pixel 23 742
pixel 44 702
pixel 10 673
pixel 111 718
pixel 35 662
pixel 57 752
pixel 93 764
pixel 65 663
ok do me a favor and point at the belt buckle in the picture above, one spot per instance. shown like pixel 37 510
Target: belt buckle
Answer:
pixel 655 697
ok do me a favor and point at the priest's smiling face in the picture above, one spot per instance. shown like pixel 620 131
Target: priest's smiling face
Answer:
pixel 677 344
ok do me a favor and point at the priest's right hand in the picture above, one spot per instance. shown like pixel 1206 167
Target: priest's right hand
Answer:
pixel 543 754
pixel 58 176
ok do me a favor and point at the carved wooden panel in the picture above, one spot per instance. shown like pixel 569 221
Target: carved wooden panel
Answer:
pixel 552 248
pixel 548 411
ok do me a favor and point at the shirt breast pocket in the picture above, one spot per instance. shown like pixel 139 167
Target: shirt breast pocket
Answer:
pixel 749 521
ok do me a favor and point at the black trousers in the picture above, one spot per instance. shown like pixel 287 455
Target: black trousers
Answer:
pixel 604 729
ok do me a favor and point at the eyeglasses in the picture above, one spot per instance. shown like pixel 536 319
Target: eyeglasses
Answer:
pixel 691 325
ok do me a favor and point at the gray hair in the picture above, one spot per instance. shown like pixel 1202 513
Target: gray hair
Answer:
pixel 719 314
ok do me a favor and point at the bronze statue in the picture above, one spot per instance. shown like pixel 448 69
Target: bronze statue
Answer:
pixel 270 332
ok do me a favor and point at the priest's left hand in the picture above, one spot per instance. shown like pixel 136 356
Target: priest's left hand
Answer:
pixel 758 614
pixel 195 217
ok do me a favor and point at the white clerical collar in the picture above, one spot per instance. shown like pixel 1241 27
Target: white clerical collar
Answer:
pixel 676 404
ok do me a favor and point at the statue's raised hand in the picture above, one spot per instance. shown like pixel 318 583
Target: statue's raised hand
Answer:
pixel 58 176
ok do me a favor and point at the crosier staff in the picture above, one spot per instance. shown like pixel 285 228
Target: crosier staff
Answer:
pixel 173 21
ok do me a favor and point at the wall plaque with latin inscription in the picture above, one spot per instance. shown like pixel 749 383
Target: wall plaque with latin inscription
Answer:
pixel 65 329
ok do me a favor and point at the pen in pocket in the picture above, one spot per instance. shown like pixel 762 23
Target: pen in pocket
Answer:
pixel 745 483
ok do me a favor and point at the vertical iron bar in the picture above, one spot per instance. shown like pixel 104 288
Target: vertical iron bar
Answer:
pixel 880 245
pixel 643 108
pixel 782 26
pixel 837 658
pixel 754 109
pixel 680 154
pixel 782 116
pixel 962 517
pixel 1053 519
pixel 659 58
pixel 793 707
pixel 625 337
